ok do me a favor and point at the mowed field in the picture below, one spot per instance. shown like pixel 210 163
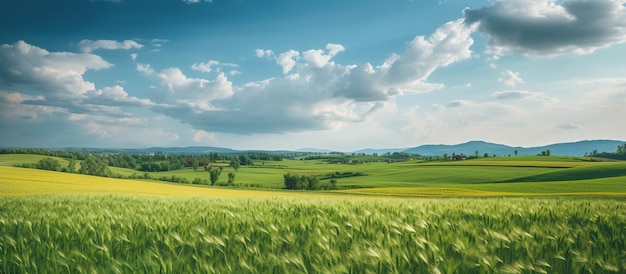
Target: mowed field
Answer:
pixel 567 216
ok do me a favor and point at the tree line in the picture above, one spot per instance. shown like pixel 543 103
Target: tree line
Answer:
pixel 155 162
pixel 307 182
pixel 619 154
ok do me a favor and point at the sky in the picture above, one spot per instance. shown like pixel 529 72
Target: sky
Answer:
pixel 327 74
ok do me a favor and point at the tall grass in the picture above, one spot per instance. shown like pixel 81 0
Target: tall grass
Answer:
pixel 126 234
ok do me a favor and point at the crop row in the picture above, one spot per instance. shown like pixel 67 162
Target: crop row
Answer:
pixel 125 234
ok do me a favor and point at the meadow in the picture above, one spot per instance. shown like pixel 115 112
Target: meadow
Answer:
pixel 506 215
pixel 523 175
pixel 149 234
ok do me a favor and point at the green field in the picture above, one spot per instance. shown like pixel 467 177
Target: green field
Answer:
pixel 128 234
pixel 505 175
pixel 502 215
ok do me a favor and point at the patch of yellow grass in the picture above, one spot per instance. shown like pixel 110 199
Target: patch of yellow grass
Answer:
pixel 16 182
pixel 24 182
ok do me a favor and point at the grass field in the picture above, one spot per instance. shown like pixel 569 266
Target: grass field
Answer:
pixel 16 182
pixel 523 215
pixel 508 176
pixel 128 234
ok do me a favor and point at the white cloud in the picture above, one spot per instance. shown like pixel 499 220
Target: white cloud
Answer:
pixel 201 136
pixel 213 65
pixel 88 46
pixel 510 78
pixel 195 91
pixel 116 96
pixel 205 67
pixel 317 57
pixel 287 60
pixel 133 56
pixel 548 27
pixel 450 43
pixel 315 93
pixel 513 94
pixel 458 103
pixel 263 53
pixel 57 74
pixel 145 69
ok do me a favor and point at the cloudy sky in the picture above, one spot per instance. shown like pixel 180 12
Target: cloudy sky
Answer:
pixel 287 74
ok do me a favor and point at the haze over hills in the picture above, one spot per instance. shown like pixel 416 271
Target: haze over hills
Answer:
pixel 579 148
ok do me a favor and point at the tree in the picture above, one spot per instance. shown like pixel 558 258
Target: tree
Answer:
pixel 214 174
pixel 94 166
pixel 621 149
pixel 516 152
pixel 231 178
pixel 48 163
pixel 486 155
pixel 234 163
pixel 195 163
pixel 445 156
pixel 333 184
pixel 71 166
pixel 476 154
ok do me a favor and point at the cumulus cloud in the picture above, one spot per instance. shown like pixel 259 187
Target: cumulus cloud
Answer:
pixel 88 46
pixel 205 67
pixel 57 74
pixel 548 27
pixel 287 60
pixel 510 78
pixel 448 44
pixel 318 58
pixel 145 69
pixel 213 65
pixel 314 92
pixel 181 87
pixel 263 53
pixel 116 96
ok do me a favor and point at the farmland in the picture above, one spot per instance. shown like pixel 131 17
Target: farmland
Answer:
pixel 502 215
pixel 316 235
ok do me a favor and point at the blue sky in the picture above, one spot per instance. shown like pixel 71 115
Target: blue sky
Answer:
pixel 341 75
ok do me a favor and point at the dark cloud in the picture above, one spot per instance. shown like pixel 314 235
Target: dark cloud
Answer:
pixel 547 28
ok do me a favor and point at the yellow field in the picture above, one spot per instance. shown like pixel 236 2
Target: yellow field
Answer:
pixel 24 182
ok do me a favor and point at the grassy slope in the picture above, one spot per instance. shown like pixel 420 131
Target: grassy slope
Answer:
pixel 483 177
pixel 18 159
pixel 25 182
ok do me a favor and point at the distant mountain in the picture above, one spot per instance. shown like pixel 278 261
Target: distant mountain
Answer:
pixel 379 151
pixel 182 150
pixel 579 148
pixel 563 149
pixel 313 150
